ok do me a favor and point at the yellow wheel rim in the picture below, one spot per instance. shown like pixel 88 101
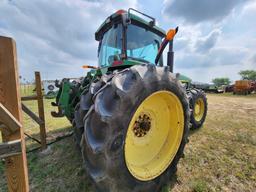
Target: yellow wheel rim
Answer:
pixel 199 109
pixel 154 135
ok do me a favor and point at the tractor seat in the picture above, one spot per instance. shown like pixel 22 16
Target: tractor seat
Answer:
pixel 113 58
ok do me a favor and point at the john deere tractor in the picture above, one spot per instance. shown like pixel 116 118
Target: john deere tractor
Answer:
pixel 131 114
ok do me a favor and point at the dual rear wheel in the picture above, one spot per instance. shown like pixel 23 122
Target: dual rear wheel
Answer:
pixel 198 106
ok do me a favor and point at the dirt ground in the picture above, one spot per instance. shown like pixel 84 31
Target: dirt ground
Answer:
pixel 221 156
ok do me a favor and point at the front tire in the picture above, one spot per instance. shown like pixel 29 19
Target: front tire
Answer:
pixel 108 153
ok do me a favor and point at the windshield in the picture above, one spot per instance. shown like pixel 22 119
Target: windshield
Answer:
pixel 142 44
pixel 111 46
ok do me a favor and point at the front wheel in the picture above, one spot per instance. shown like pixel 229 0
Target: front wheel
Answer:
pixel 136 130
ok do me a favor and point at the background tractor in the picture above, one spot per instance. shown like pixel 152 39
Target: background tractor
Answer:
pixel 131 114
pixel 244 87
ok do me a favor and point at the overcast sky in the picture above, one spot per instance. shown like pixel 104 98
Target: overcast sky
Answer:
pixel 216 38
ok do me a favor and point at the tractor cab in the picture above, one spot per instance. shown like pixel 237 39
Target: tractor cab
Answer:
pixel 126 39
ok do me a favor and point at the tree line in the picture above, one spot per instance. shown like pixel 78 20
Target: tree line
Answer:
pixel 245 75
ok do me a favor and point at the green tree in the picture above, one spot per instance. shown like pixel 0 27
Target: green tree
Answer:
pixel 248 74
pixel 221 81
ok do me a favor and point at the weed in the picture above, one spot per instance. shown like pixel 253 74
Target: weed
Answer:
pixel 199 186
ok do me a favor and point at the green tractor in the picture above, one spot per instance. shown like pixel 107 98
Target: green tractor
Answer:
pixel 131 114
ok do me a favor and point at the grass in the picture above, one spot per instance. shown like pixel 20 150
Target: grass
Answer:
pixel 221 156
pixel 41 166
pixel 26 90
pixel 199 185
pixel 253 95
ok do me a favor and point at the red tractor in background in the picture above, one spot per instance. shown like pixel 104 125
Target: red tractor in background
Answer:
pixel 244 87
pixel 253 85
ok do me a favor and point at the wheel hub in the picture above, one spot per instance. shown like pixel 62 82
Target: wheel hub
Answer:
pixel 142 125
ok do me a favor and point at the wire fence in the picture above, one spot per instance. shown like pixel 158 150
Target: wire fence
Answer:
pixel 27 89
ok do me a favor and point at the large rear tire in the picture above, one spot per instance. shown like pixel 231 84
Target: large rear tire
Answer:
pixel 83 107
pixel 139 107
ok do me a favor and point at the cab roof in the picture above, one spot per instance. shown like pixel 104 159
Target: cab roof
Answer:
pixel 117 18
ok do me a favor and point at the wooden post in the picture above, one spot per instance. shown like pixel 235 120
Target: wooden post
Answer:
pixel 16 166
pixel 40 103
pixel 9 120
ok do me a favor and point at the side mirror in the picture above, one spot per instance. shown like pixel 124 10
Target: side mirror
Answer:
pixel 171 33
